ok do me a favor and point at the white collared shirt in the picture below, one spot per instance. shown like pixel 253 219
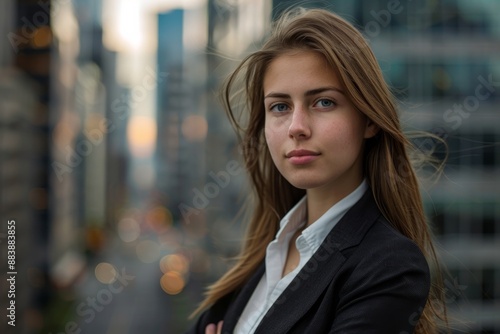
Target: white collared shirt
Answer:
pixel 272 284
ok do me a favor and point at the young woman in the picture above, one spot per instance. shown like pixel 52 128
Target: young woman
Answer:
pixel 338 241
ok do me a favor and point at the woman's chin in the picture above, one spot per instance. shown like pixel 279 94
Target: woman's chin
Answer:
pixel 305 184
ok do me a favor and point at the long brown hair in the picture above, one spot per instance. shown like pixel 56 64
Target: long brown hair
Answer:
pixel 387 164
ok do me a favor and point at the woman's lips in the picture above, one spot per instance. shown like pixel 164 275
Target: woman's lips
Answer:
pixel 302 157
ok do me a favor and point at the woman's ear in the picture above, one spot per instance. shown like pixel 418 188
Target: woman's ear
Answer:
pixel 371 129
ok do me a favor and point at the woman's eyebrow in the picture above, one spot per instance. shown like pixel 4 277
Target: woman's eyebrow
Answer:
pixel 323 89
pixel 307 93
pixel 278 95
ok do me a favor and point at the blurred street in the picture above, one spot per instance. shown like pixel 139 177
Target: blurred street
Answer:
pixel 133 301
pixel 140 306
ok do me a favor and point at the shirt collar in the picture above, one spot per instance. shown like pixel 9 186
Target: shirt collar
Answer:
pixel 294 219
pixel 315 233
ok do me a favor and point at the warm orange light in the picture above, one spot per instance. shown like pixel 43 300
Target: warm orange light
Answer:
pixel 172 282
pixel 42 37
pixel 159 219
pixel 105 273
pixel 174 262
pixel 141 134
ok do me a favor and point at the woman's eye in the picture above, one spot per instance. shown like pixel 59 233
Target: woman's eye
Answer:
pixel 279 107
pixel 325 103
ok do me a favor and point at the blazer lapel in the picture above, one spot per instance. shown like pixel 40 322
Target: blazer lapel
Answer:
pixel 312 280
pixel 237 307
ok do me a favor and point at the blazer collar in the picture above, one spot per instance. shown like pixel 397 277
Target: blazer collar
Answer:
pixel 304 290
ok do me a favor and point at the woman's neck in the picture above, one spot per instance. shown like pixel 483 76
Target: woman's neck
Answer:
pixel 320 200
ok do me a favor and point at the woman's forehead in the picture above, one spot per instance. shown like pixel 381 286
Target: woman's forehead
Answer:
pixel 299 69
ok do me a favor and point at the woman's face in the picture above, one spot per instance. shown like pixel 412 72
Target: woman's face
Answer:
pixel 313 132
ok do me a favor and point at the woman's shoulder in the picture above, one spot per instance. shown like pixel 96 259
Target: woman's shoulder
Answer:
pixel 385 258
pixel 384 245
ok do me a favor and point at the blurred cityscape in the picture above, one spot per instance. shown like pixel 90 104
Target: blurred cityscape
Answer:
pixel 122 175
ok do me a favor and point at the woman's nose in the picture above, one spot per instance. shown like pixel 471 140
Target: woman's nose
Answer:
pixel 299 125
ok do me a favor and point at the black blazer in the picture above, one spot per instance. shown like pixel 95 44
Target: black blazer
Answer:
pixel 365 278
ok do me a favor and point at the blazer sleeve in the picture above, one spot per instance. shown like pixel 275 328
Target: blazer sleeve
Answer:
pixel 386 292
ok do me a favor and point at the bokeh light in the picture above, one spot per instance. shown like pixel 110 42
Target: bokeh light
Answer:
pixel 159 219
pixel 141 134
pixel 174 262
pixel 42 37
pixel 105 273
pixel 172 282
pixel 128 229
